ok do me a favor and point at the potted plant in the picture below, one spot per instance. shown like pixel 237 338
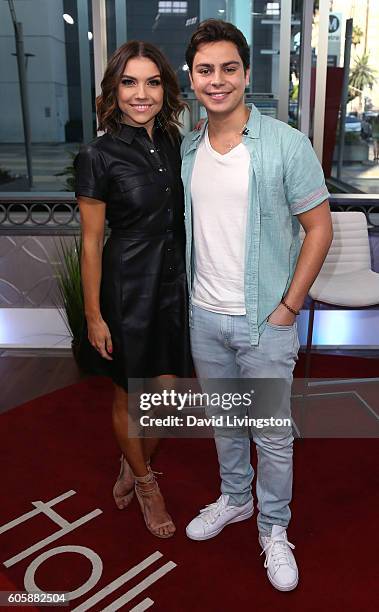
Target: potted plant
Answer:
pixel 69 173
pixel 355 149
pixel 70 290
pixel 13 182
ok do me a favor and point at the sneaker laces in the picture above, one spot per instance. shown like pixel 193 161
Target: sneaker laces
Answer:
pixel 211 512
pixel 277 550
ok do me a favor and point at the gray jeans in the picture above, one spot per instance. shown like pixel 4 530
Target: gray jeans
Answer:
pixel 221 350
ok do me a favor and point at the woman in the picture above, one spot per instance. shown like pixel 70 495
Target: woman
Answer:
pixel 135 289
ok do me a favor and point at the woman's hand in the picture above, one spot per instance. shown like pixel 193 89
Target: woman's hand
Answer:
pixel 199 125
pixel 100 337
pixel 281 316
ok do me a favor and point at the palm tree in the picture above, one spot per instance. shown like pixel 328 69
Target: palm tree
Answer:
pixel 357 35
pixel 361 76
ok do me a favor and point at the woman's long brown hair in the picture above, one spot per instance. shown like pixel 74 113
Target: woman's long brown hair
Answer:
pixel 108 113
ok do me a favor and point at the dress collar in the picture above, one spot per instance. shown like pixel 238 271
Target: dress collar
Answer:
pixel 128 133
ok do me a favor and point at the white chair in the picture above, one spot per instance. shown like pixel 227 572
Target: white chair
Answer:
pixel 346 278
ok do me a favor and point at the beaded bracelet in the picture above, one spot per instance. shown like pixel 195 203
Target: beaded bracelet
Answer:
pixel 295 312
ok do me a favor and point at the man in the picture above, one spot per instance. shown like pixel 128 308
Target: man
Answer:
pixel 250 181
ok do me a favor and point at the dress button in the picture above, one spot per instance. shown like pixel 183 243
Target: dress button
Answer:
pixel 168 189
pixel 152 150
pixel 160 169
pixel 171 268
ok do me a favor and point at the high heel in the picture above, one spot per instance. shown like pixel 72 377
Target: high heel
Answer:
pixel 121 497
pixel 144 493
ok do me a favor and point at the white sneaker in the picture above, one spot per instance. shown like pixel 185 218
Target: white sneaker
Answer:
pixel 214 517
pixel 281 566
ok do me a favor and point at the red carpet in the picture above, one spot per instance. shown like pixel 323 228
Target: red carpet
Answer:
pixel 64 442
pixel 338 366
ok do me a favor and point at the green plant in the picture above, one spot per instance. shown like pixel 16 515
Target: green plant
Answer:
pixel 69 172
pixel 5 176
pixel 295 92
pixel 352 138
pixel 70 287
pixel 361 76
pixel 357 35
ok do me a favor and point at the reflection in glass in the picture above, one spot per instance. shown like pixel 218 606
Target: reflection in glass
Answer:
pixel 360 169
pixel 53 76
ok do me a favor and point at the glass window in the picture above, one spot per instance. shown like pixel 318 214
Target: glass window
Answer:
pixel 167 24
pixel 172 7
pixel 58 88
pixel 295 63
pixel 58 44
pixel 170 25
pixel 265 27
pixel 358 168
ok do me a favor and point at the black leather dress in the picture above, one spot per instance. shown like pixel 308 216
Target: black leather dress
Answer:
pixel 143 288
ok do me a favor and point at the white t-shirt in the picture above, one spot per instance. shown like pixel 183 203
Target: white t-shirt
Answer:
pixel 219 191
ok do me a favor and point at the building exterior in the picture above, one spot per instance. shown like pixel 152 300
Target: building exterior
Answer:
pixel 45 49
pixel 67 43
pixel 365 15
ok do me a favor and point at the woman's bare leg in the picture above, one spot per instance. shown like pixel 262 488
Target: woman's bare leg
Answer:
pixel 149 447
pixel 123 489
pixel 133 449
pixel 150 444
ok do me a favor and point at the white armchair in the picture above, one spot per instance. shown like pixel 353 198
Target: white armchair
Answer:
pixel 346 278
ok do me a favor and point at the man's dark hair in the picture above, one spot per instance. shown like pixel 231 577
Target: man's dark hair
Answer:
pixel 215 30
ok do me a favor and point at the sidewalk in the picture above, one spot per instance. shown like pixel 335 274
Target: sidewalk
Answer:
pixel 363 176
pixel 47 160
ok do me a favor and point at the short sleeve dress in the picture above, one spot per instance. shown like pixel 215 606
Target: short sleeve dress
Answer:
pixel 143 296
